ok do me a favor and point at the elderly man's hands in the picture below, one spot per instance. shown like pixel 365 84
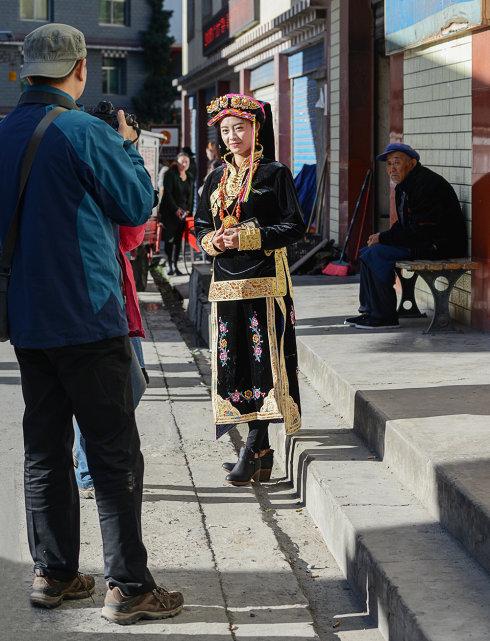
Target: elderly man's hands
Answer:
pixel 373 240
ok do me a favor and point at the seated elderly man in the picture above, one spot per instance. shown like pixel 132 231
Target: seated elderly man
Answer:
pixel 430 225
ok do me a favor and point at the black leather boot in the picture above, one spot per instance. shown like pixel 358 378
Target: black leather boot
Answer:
pixel 246 468
pixel 266 465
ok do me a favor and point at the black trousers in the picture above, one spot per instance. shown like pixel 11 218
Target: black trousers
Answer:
pixel 376 297
pixel 258 436
pixel 174 247
pixel 91 382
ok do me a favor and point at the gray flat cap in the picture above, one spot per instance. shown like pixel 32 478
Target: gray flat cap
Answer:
pixel 52 51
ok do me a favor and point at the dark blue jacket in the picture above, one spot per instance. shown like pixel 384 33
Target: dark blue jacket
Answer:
pixel 65 287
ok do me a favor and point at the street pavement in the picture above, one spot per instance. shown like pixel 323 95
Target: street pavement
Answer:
pixel 250 562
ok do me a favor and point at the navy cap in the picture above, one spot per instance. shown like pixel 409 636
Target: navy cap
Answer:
pixel 398 146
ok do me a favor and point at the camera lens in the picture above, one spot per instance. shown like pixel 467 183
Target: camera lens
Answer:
pixel 105 107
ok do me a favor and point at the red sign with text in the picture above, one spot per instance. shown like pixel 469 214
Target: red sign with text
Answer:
pixel 216 32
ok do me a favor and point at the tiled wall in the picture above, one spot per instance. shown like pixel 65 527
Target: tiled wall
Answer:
pixel 334 118
pixel 437 122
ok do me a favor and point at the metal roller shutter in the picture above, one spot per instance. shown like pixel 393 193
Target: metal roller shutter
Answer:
pixel 304 113
pixel 267 94
pixel 306 146
pixel 262 84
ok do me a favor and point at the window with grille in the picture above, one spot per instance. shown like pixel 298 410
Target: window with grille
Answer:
pixel 114 76
pixel 114 12
pixel 34 9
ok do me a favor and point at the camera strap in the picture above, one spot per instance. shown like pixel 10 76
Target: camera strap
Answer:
pixel 10 239
pixel 48 98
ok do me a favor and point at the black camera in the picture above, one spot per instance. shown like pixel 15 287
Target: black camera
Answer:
pixel 105 111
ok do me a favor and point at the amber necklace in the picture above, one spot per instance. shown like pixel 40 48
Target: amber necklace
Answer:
pixel 228 219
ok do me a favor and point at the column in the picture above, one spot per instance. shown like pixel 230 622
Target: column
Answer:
pixel 282 115
pixel 480 226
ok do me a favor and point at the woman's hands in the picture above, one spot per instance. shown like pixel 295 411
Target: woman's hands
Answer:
pixel 218 239
pixel 230 238
pixel 226 239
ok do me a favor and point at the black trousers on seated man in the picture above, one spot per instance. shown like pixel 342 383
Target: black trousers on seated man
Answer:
pixel 91 382
pixel 377 295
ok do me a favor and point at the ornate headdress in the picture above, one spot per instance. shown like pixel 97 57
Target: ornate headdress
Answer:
pixel 235 104
pixel 248 108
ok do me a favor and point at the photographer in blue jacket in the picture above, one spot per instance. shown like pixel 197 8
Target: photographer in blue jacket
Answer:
pixel 68 325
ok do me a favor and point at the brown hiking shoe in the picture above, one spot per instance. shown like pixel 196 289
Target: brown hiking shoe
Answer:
pixel 157 604
pixel 49 593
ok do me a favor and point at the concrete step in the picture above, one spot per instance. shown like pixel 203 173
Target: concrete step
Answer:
pixel 419 583
pixel 422 403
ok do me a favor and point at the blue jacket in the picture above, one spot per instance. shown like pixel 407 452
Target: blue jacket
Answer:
pixel 65 287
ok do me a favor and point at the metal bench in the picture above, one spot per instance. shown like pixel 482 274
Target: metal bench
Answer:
pixel 430 270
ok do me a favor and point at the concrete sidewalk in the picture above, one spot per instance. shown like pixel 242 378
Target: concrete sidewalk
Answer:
pixel 250 562
pixel 393 494
pixel 421 402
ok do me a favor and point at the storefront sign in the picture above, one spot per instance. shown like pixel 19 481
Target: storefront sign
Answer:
pixel 169 135
pixel 410 23
pixel 216 32
pixel 244 14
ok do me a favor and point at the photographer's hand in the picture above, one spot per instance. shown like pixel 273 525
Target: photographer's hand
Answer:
pixel 128 133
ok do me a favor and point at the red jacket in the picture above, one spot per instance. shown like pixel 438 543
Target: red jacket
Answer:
pixel 130 238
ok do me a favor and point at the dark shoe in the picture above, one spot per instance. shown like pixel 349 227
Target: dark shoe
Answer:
pixel 352 320
pixel 49 593
pixel 177 271
pixel 374 323
pixel 266 465
pixel 157 604
pixel 170 270
pixel 246 468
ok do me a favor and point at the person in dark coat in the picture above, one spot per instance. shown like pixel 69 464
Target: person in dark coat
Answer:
pixel 175 206
pixel 430 225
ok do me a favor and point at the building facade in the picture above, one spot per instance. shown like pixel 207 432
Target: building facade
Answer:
pixel 345 77
pixel 112 30
pixel 273 50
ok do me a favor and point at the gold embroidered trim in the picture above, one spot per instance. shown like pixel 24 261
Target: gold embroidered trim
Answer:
pixel 270 404
pixel 265 287
pixel 224 409
pixel 287 406
pixel 207 244
pixel 249 239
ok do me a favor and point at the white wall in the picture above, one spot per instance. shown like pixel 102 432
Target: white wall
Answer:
pixel 269 9
pixel 437 122
pixel 334 118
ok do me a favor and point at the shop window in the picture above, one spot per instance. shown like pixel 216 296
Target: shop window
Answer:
pixel 34 10
pixel 191 19
pixel 114 76
pixel 114 12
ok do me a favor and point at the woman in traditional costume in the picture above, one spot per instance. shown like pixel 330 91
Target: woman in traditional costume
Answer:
pixel 247 215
